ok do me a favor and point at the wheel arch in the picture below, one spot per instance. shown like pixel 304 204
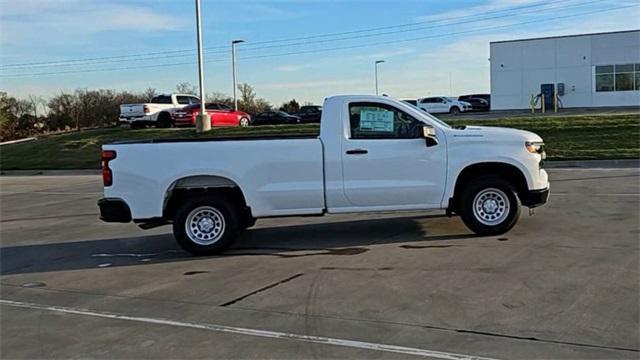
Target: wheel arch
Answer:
pixel 510 172
pixel 194 185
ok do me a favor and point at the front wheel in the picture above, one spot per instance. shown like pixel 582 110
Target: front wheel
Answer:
pixel 454 110
pixel 206 225
pixel 489 206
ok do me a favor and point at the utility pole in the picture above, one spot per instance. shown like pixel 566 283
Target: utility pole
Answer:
pixel 203 121
pixel 233 62
pixel 376 71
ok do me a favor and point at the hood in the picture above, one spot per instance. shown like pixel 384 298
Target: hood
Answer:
pixel 496 133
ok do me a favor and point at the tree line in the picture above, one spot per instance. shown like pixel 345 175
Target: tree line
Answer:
pixel 84 108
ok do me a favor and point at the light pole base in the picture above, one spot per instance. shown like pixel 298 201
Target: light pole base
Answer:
pixel 203 123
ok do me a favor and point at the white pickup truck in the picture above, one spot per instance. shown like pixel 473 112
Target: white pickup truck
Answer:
pixel 157 112
pixel 374 154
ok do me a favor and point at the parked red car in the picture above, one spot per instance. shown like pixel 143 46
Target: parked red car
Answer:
pixel 221 115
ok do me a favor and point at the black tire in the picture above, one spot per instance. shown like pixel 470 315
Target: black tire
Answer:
pixel 454 110
pixel 244 120
pixel 479 220
pixel 231 228
pixel 164 121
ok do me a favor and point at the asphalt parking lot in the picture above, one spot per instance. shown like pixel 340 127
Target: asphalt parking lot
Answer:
pixel 563 284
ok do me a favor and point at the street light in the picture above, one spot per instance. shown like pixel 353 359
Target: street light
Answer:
pixel 233 63
pixel 203 121
pixel 376 66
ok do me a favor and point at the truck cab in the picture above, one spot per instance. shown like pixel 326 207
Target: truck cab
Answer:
pixel 373 154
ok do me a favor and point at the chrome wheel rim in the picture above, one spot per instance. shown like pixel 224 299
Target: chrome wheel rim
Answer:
pixel 244 122
pixel 205 225
pixel 491 206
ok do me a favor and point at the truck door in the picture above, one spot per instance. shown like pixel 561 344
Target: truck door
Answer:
pixel 386 162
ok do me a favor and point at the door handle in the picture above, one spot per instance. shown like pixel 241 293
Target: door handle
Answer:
pixel 357 152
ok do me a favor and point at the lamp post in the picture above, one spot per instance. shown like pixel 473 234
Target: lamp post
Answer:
pixel 376 70
pixel 203 121
pixel 233 63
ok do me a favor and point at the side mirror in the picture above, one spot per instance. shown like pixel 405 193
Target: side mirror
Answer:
pixel 429 134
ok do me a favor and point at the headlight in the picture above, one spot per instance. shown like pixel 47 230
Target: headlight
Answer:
pixel 534 147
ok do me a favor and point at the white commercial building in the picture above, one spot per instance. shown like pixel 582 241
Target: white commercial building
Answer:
pixel 593 70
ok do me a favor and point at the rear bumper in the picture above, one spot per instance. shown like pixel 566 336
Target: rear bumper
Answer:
pixel 114 210
pixel 534 198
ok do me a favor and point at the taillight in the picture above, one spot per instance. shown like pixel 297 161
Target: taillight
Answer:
pixel 146 109
pixel 193 117
pixel 107 175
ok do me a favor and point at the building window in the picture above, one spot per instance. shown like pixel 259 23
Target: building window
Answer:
pixel 619 77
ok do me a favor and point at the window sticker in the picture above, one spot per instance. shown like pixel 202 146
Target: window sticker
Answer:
pixel 376 120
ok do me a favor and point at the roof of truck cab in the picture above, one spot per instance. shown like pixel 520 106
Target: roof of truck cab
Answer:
pixel 364 96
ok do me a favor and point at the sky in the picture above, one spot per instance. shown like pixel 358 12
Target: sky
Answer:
pixel 302 49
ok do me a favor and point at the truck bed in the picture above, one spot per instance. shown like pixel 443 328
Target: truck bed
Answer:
pixel 205 138
pixel 280 175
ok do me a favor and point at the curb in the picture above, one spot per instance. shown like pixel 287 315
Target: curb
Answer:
pixel 592 164
pixel 50 172
pixel 17 141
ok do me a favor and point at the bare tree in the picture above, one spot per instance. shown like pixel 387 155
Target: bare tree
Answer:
pixel 186 88
pixel 291 107
pixel 37 102
pixel 149 93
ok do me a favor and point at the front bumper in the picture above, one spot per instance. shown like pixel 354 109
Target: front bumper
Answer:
pixel 534 198
pixel 114 210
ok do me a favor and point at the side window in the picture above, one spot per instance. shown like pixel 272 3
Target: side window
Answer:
pixel 161 99
pixel 211 106
pixel 194 100
pixel 183 100
pixel 370 120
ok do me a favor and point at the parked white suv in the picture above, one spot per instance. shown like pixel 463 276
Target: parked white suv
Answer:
pixel 443 104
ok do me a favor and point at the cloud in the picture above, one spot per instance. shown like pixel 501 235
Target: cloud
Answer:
pixel 390 53
pixel 291 67
pixel 69 21
pixel 306 84
pixel 466 57
pixel 478 10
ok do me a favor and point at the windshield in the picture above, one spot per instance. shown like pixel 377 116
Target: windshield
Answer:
pixel 450 98
pixel 431 117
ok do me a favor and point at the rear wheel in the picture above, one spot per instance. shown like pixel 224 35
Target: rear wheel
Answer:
pixel 489 205
pixel 164 121
pixel 206 225
pixel 244 122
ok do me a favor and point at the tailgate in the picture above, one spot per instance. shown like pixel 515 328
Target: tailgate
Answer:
pixel 131 110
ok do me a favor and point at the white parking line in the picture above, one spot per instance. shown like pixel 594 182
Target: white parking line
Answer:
pixel 596 194
pixel 252 332
pixel 48 193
